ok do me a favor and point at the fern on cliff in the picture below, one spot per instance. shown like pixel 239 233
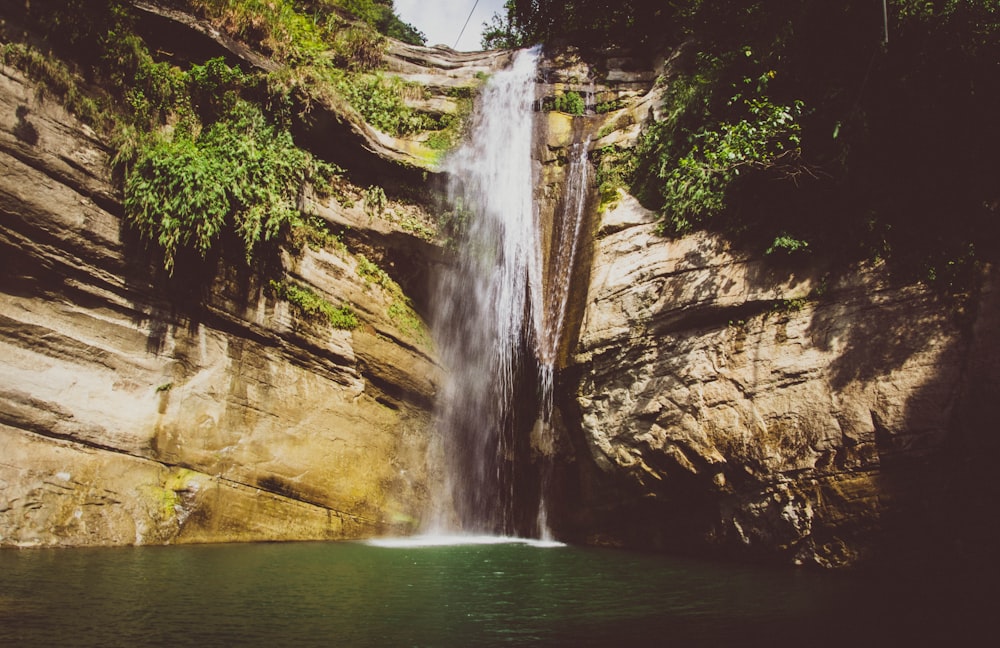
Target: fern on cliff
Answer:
pixel 242 172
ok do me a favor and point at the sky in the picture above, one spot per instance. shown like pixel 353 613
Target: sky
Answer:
pixel 441 20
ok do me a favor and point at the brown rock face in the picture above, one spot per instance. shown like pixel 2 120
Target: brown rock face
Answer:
pixel 140 409
pixel 727 401
pixel 705 398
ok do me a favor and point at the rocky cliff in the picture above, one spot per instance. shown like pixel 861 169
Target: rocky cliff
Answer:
pixel 783 411
pixel 789 409
pixel 141 408
pixel 705 397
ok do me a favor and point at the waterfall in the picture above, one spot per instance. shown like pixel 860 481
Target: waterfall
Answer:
pixel 498 321
pixel 484 301
pixel 563 252
pixel 555 299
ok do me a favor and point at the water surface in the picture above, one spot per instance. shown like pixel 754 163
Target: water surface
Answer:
pixel 481 594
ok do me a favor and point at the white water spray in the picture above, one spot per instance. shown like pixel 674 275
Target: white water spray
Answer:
pixel 566 238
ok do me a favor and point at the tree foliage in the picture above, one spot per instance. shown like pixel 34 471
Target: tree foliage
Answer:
pixel 380 14
pixel 583 22
pixel 799 121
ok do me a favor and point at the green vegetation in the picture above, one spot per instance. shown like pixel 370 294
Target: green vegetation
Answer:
pixel 450 127
pixel 381 15
pixel 582 22
pixel 453 224
pixel 375 201
pixel 403 315
pixel 329 58
pixel 315 232
pixel 197 159
pixel 440 141
pixel 621 122
pixel 381 101
pixel 241 171
pixel 798 128
pixel 698 171
pixel 400 309
pixel 57 78
pixel 300 29
pixel 274 25
pixel 719 126
pixel 569 102
pixel 612 105
pixel 786 243
pixel 371 273
pixel 314 306
pixel 790 305
pixel 205 153
pixel 359 50
pixel 327 55
pixel 616 167
pixel 417 227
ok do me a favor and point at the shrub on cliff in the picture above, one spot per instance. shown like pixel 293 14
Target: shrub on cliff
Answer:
pixel 242 172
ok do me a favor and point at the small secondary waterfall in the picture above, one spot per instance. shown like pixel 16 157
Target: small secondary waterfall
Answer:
pixel 555 306
pixel 498 321
pixel 563 253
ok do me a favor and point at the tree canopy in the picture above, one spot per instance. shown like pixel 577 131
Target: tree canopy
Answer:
pixel 800 123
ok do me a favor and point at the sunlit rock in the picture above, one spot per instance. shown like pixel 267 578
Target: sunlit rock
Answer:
pixel 140 409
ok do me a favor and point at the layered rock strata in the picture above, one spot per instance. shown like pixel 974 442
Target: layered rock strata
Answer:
pixel 137 408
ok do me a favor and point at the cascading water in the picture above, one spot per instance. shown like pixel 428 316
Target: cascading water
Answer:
pixel 555 299
pixel 565 240
pixel 484 301
pixel 497 322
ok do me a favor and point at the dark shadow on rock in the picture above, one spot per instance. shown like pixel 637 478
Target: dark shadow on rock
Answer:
pixel 939 518
pixel 161 302
pixel 212 289
pixel 621 506
pixel 878 327
pixel 700 281
pixel 185 39
pixel 23 129
pixel 336 136
pixel 919 490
